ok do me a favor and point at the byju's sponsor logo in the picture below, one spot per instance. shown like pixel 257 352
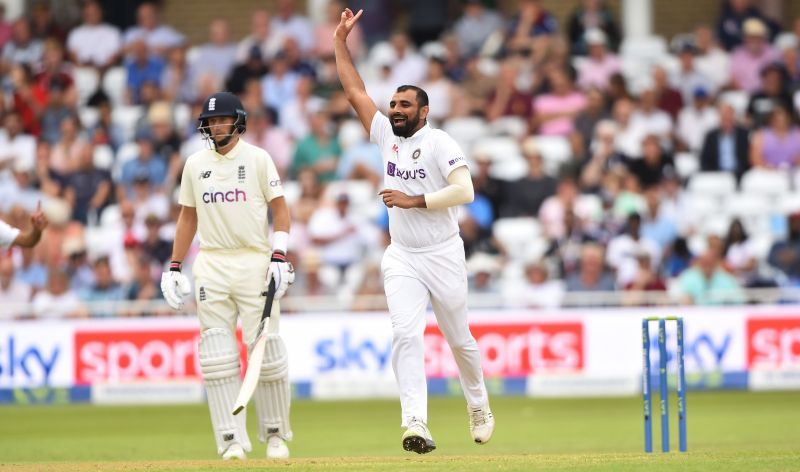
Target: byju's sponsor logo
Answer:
pixel 405 174
pixel 453 161
pixel 230 196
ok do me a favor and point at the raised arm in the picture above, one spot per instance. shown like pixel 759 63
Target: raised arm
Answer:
pixel 348 75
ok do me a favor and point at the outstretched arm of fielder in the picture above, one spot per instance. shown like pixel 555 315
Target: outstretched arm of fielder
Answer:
pixel 351 82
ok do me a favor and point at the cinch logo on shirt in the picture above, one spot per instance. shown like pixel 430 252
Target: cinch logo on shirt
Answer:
pixel 393 171
pixel 222 197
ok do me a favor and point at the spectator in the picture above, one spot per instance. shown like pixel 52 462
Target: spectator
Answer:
pixel 104 289
pixel 142 288
pixel 57 300
pixel 336 232
pixel 5 27
pixel 319 151
pixel 531 29
pixel 753 55
pixel 600 65
pixel 265 133
pixel 14 293
pixel 261 36
pixel 482 269
pixel 646 280
pixel 732 24
pixel 323 32
pixel 774 92
pixel 87 189
pixel 629 132
pixel 279 87
pixel 592 14
pixel 65 157
pixel 477 88
pixel 23 48
pixel 158 38
pixel 524 197
pixel 441 91
pixel 43 25
pixel 658 222
pixel 508 99
pixel 696 120
pixel 54 68
pixel 707 283
pixel 788 47
pixel 252 67
pixel 361 160
pixel 740 254
pixel 21 191
pixel 27 99
pixel 296 59
pixel 538 290
pixel 710 60
pixel 77 267
pixel 650 119
pixel 669 99
pixel 591 275
pixel 475 26
pixel 147 199
pixel 175 83
pixel 727 147
pixel 555 112
pixel 15 145
pixel 141 67
pixel 408 66
pixel 287 22
pixel 553 209
pixel 777 145
pixel 146 165
pixel 296 114
pixel 166 140
pixel 585 122
pixel 567 249
pixel 214 58
pixel 785 255
pixel 624 249
pixel 94 43
pixel 106 131
pixel 689 78
pixel 153 245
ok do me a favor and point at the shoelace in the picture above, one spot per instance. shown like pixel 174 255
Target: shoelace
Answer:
pixel 477 417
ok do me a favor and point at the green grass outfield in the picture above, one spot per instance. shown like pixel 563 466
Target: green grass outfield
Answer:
pixel 727 431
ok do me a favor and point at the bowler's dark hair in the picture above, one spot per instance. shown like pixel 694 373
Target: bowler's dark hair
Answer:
pixel 422 96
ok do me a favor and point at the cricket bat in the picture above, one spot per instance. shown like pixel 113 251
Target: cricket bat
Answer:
pixel 256 355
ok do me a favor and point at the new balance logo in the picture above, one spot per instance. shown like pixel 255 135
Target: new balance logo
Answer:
pixel 228 436
pixel 204 175
pixel 212 104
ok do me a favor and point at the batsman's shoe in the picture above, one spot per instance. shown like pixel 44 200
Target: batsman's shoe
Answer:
pixel 481 424
pixel 234 451
pixel 277 448
pixel 417 438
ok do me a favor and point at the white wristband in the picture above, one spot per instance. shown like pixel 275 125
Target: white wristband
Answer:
pixel 280 241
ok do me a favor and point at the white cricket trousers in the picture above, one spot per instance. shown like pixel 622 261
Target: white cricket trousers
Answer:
pixel 412 278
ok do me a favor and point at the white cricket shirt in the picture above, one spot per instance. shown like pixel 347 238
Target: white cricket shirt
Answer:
pixel 7 235
pixel 230 194
pixel 418 165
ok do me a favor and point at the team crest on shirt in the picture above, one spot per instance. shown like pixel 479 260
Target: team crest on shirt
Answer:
pixel 416 154
pixel 241 174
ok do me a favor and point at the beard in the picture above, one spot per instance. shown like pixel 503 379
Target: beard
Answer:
pixel 405 128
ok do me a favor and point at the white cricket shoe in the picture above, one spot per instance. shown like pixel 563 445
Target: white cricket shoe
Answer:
pixel 234 451
pixel 277 448
pixel 481 424
pixel 417 438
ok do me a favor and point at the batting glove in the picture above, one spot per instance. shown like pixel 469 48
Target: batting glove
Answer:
pixel 175 286
pixel 281 271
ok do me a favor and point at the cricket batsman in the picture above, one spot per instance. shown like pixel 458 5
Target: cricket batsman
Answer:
pixel 426 179
pixel 225 192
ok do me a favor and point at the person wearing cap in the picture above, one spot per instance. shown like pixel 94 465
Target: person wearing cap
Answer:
pixel 696 120
pixel 732 18
pixel 752 56
pixel 600 64
pixel 227 192
pixel 773 92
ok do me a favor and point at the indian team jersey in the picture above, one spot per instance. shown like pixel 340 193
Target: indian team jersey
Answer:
pixel 230 194
pixel 7 235
pixel 415 166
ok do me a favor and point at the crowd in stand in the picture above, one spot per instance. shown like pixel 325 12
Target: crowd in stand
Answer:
pixel 600 162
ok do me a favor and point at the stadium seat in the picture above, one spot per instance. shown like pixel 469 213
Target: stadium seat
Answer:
pixel 686 164
pixel 517 235
pixel 114 84
pixel 88 116
pixel 555 151
pixel 512 126
pixel 86 82
pixel 466 131
pixel 103 157
pixel 510 169
pixel 753 209
pixel 125 153
pixel 648 49
pixel 364 200
pixel 126 118
pixel 717 184
pixel 773 183
pixel 182 117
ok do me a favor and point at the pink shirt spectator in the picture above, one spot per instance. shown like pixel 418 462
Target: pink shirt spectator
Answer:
pixel 746 68
pixel 547 104
pixel 596 73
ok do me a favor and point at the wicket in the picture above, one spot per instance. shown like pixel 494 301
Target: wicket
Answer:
pixel 663 387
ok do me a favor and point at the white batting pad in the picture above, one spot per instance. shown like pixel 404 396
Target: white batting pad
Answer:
pixel 273 395
pixel 219 362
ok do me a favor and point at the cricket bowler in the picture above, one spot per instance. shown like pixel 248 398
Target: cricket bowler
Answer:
pixel 225 193
pixel 426 178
